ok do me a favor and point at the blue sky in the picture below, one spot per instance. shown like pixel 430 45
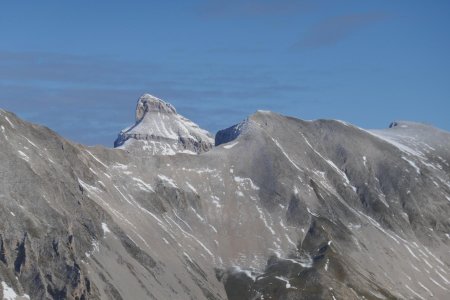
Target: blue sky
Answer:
pixel 79 67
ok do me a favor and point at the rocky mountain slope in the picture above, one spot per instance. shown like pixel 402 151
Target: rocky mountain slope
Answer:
pixel 280 208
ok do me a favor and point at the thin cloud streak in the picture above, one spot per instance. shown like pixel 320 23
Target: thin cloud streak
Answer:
pixel 75 70
pixel 253 8
pixel 335 29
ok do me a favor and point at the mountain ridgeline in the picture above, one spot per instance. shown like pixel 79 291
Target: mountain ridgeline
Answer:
pixel 271 208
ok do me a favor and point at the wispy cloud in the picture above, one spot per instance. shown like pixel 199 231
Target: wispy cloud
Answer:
pixel 68 69
pixel 335 29
pixel 254 8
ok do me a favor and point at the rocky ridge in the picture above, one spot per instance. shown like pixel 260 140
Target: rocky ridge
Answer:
pixel 280 209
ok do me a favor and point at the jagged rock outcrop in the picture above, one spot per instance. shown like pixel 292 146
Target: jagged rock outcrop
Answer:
pixel 159 129
pixel 285 209
pixel 229 134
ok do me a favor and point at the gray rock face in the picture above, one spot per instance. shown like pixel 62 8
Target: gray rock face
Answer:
pixel 148 103
pixel 160 130
pixel 285 209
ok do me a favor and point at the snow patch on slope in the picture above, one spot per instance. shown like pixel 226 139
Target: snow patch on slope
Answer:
pixel 231 145
pixel 10 294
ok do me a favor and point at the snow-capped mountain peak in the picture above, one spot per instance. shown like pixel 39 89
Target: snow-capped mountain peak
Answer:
pixel 159 129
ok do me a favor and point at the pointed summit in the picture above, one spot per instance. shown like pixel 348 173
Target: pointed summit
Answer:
pixel 159 129
pixel 148 103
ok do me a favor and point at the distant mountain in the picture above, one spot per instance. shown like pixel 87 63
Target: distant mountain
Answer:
pixel 279 208
pixel 160 130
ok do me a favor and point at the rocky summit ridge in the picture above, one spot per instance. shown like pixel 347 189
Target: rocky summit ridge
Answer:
pixel 280 208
